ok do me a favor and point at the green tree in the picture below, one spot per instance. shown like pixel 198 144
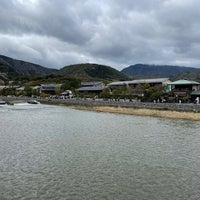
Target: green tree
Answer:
pixel 105 93
pixel 57 90
pixel 28 91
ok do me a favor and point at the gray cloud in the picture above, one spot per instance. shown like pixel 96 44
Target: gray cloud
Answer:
pixel 113 32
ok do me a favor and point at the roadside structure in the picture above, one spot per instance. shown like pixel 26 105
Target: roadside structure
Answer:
pixel 50 88
pixel 185 88
pixel 134 87
pixel 134 83
pixel 67 94
pixel 91 87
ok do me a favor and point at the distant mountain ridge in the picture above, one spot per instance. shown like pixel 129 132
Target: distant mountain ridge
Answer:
pixel 10 68
pixel 18 67
pixel 92 71
pixel 156 71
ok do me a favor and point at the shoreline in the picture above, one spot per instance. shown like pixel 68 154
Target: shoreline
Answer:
pixel 168 114
pixel 172 111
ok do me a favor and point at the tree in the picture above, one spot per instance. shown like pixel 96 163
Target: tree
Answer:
pixel 28 91
pixel 57 90
pixel 105 93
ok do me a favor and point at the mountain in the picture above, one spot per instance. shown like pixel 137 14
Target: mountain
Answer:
pixel 187 75
pixel 13 67
pixel 92 71
pixel 156 71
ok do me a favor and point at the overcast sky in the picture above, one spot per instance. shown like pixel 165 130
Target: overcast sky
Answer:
pixel 118 33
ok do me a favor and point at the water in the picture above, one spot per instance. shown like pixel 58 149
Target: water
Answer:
pixel 50 152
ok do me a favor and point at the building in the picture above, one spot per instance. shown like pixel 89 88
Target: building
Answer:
pixel 50 88
pixel 134 87
pixel 67 94
pixel 185 88
pixel 151 82
pixel 91 87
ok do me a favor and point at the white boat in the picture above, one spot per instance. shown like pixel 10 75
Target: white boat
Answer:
pixel 33 102
pixel 2 102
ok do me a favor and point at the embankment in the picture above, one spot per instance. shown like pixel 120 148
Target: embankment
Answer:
pixel 168 110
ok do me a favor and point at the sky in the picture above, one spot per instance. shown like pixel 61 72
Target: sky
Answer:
pixel 117 33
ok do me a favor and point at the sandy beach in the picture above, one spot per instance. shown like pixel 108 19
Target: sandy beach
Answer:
pixel 143 112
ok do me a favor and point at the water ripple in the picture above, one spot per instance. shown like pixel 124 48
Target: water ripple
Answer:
pixel 50 152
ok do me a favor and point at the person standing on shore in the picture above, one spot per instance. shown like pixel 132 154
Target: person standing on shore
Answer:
pixel 197 100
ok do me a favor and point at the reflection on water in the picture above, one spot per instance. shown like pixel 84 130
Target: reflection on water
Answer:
pixel 49 152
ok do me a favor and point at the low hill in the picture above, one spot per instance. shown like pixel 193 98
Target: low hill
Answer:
pixel 195 76
pixel 156 71
pixel 6 69
pixel 92 71
pixel 18 67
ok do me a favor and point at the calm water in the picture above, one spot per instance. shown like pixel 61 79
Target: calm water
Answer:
pixel 49 152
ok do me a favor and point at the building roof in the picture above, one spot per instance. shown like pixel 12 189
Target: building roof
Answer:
pixel 95 83
pixel 37 87
pixel 8 86
pixel 184 82
pixel 94 88
pixel 20 88
pixel 67 92
pixel 51 85
pixel 140 81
